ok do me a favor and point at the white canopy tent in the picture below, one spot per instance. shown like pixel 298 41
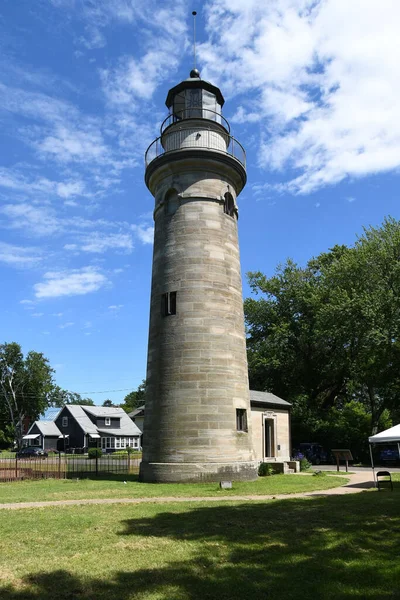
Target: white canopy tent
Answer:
pixel 389 436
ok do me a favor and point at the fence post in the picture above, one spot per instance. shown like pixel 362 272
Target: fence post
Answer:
pixel 16 466
pixel 97 465
pixel 59 465
pixel 129 462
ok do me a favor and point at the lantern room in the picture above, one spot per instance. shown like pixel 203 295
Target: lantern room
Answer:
pixel 195 98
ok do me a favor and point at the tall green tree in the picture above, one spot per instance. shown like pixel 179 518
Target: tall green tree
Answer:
pixel 329 332
pixel 25 384
pixel 58 397
pixel 134 398
pixel 108 403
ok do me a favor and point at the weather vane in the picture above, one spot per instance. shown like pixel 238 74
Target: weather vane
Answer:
pixel 194 13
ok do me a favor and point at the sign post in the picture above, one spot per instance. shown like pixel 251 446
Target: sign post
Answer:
pixel 341 454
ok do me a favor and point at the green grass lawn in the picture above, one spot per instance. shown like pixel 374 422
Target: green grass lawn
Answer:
pixel 319 548
pixel 67 489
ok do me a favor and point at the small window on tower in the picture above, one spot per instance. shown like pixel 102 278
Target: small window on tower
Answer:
pixel 241 419
pixel 168 304
pixel 229 205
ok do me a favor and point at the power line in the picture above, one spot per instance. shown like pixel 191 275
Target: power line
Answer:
pixel 31 395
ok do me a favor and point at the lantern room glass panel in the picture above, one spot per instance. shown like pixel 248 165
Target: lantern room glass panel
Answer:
pixel 178 107
pixel 211 108
pixel 193 103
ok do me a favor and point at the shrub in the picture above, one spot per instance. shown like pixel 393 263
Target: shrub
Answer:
pixel 94 453
pixel 305 465
pixel 265 470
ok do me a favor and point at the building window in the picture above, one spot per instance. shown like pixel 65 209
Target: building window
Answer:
pixel 171 201
pixel 64 422
pixel 118 443
pixel 168 304
pixel 229 205
pixel 107 421
pixel 241 419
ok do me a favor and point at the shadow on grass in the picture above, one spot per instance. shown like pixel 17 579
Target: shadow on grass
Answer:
pixel 332 548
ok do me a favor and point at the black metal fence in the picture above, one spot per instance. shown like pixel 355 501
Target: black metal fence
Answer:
pixel 64 466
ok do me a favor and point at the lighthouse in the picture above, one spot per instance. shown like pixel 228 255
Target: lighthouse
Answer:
pixel 197 423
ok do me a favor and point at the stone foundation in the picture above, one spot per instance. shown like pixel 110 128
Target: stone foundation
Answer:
pixel 197 472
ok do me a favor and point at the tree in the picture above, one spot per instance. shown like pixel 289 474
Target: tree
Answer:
pixel 135 398
pixel 25 384
pixel 328 333
pixel 59 397
pixel 108 403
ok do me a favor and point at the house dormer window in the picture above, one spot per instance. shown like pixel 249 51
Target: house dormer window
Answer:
pixel 107 421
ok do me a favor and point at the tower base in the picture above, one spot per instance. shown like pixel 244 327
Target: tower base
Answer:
pixel 197 472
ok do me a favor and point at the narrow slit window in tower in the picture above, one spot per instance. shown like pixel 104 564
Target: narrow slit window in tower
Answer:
pixel 241 419
pixel 168 304
pixel 229 205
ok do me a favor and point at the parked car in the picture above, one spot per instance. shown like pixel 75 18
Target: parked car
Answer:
pixel 315 453
pixel 31 452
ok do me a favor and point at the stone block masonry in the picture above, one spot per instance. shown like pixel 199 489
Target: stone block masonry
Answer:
pixel 197 374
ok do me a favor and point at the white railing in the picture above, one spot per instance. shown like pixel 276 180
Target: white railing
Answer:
pixel 196 138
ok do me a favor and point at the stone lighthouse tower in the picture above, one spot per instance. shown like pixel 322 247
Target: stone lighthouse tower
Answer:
pixel 197 418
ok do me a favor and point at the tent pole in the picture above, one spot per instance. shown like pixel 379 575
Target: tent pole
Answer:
pixel 372 463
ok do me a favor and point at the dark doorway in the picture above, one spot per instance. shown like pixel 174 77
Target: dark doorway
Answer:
pixel 269 438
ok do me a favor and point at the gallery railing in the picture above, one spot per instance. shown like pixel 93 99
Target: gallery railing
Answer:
pixel 195 138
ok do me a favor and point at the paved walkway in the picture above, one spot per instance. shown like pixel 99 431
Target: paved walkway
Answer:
pixel 357 483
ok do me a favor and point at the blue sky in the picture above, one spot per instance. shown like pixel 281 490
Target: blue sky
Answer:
pixel 311 90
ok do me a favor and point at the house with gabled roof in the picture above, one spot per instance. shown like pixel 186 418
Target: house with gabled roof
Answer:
pixel 81 427
pixel 108 428
pixel 137 416
pixel 43 434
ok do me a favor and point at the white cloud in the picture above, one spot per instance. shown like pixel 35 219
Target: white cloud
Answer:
pixel 66 144
pixel 15 181
pixel 71 188
pixel 322 76
pixel 70 283
pixel 65 325
pixel 37 314
pixel 60 132
pixel 39 220
pixel 116 307
pixel 26 302
pixel 144 233
pixel 98 243
pixel 19 257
